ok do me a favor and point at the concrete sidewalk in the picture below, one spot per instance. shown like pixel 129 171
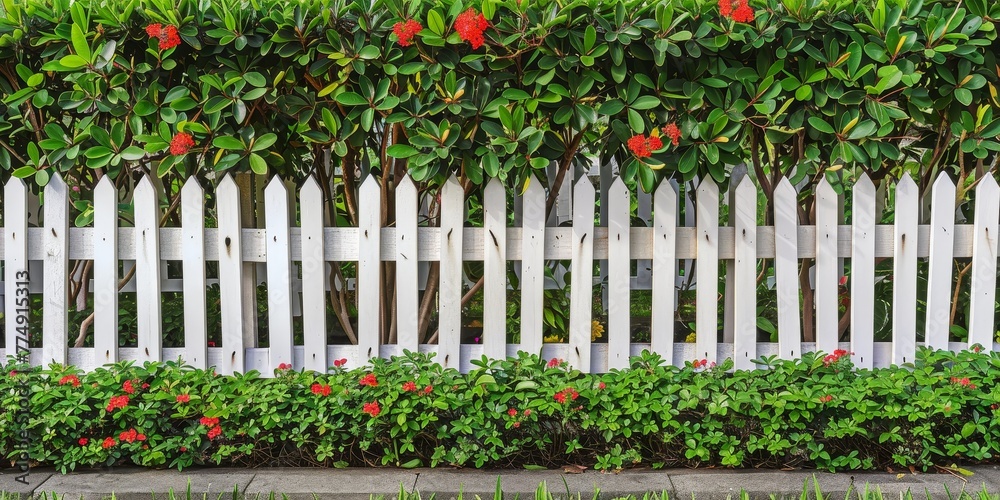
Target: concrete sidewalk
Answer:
pixel 360 484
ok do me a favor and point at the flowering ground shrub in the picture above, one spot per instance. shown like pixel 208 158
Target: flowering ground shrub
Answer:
pixel 815 412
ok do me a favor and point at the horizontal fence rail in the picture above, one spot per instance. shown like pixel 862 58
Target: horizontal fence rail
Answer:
pixel 312 246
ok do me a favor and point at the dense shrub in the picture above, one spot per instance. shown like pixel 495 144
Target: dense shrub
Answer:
pixel 816 412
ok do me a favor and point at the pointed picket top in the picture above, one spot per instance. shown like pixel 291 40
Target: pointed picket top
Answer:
pixel 105 187
pixel 664 270
pixel 984 264
pixel 276 188
pixel 227 185
pixel 193 186
pixel 584 187
pixel 746 188
pixel 939 275
pixel 708 188
pixel 534 190
pixel 862 282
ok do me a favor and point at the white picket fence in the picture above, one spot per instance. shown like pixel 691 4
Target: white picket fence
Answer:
pixel 313 246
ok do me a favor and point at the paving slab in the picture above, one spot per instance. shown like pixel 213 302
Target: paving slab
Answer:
pixel 341 484
pixel 136 483
pixel 9 483
pixel 446 484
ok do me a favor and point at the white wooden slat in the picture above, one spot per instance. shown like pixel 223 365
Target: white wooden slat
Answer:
pixel 904 273
pixel 149 321
pixel 495 271
pixel 314 275
pixel 743 212
pixel 450 289
pixel 279 273
pixel 736 176
pixel 707 271
pixel 193 237
pixel 582 269
pixel 15 241
pixel 106 271
pixel 942 244
pixel 619 273
pixel 827 273
pixel 230 277
pixel 369 268
pixel 664 271
pixel 55 303
pixel 407 298
pixel 533 265
pixel 984 264
pixel 862 278
pixel 786 269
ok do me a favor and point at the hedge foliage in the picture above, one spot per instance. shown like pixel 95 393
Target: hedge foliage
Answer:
pixel 191 87
pixel 815 412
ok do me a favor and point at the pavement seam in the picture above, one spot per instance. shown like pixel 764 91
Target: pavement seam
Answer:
pixel 246 489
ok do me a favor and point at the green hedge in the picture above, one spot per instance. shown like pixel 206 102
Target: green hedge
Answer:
pixel 816 412
pixel 271 85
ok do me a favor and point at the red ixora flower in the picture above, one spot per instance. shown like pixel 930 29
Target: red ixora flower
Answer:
pixel 166 36
pixel 183 398
pixel 702 363
pixel 830 359
pixel 372 408
pixel 428 389
pixel 567 394
pixel 470 26
pixel 108 443
pixel 131 436
pixel 70 380
pixel 83 441
pixel 512 412
pixel 181 143
pixel 209 421
pixel 670 130
pixel 405 31
pixel 742 13
pixel 214 432
pixel 117 402
pixel 409 386
pixel 642 146
pixel 601 386
pixel 127 387
pixel 284 366
pixel 339 362
pixel 320 389
pixel 369 380
pixel 964 382
pixel 554 362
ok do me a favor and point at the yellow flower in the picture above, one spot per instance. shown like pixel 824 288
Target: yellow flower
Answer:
pixel 552 338
pixel 596 330
pixel 691 338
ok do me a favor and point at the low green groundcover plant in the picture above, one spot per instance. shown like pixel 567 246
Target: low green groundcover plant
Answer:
pixel 522 412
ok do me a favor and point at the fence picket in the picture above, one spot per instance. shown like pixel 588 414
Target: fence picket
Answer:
pixel 786 269
pixel 369 269
pixel 55 301
pixel 984 264
pixel 863 272
pixel 581 295
pixel 743 212
pixel 707 316
pixel 904 273
pixel 193 238
pixel 532 265
pixel 230 276
pixel 149 322
pixel 942 244
pixel 827 272
pixel 106 272
pixel 314 273
pixel 407 291
pixel 15 259
pixel 495 271
pixel 664 271
pixel 619 273
pixel 279 273
pixel 450 290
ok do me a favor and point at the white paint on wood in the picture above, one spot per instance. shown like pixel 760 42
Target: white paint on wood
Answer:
pixel 55 307
pixel 149 321
pixel 533 265
pixel 904 273
pixel 942 244
pixel 707 289
pixel 369 269
pixel 786 269
pixel 407 299
pixel 16 276
pixel 619 273
pixel 984 264
pixel 862 278
pixel 106 271
pixel 495 270
pixel 664 271
pixel 230 246
pixel 279 273
pixel 743 212
pixel 582 268
pixel 827 272
pixel 736 176
pixel 195 306
pixel 314 275
pixel 450 289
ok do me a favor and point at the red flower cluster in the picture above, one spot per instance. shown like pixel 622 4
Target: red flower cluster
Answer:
pixel 554 362
pixel 674 133
pixel 409 386
pixel 70 380
pixel 108 443
pixel 369 380
pixel 470 26
pixel 830 359
pixel 337 363
pixel 167 35
pixel 428 389
pixel 964 382
pixel 83 441
pixel 825 399
pixel 214 430
pixel 567 394
pixel 512 412
pixel 183 398
pixel 320 389
pixel 406 31
pixel 702 363
pixel 743 13
pixel 372 408
pixel 131 436
pixel 117 402
pixel 180 144
pixel 127 387
pixel 601 386
pixel 284 366
pixel 642 146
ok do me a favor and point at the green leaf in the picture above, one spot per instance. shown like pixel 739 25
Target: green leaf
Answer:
pixel 263 142
pixel 80 44
pixel 73 61
pixel 23 172
pixel 821 125
pixel 401 151
pixel 257 164
pixel 646 102
pixel 228 142
pixel 351 99
pixel 368 52
pixel 435 22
